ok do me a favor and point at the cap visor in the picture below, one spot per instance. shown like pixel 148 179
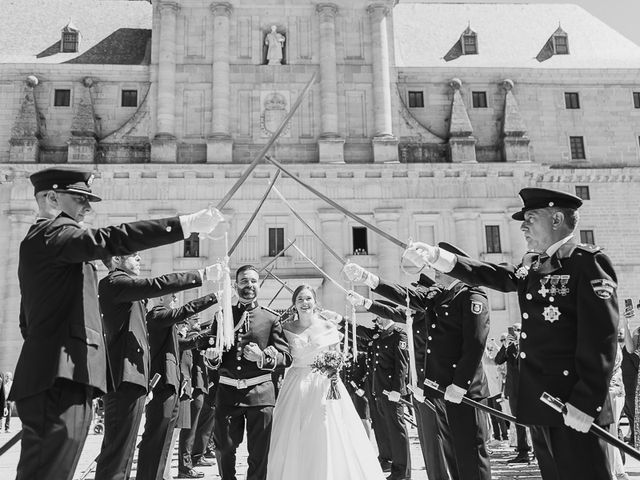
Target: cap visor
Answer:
pixel 518 215
pixel 92 197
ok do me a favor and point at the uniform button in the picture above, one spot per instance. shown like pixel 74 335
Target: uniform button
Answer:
pixel 523 335
pixel 599 409
pixel 193 281
pixel 468 382
pixel 386 346
pixel 238 367
pixel 529 296
pixel 389 376
pixel 429 338
pixel 551 299
pixel 377 362
pixel 433 325
pixel 454 365
pixel 523 355
pixel 525 315
pixel 565 373
pixel 139 350
pixel 168 229
pixel 428 350
pixel 418 332
pixel 446 314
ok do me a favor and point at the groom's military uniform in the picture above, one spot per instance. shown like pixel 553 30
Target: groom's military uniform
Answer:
pixel 246 392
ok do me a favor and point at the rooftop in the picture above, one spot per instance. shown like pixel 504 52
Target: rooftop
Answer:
pixel 508 35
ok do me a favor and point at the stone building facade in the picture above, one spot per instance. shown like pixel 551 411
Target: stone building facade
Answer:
pixel 425 119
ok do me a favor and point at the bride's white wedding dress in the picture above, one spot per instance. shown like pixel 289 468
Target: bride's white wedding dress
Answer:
pixel 314 438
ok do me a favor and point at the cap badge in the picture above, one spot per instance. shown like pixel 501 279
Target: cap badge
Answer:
pixel 90 179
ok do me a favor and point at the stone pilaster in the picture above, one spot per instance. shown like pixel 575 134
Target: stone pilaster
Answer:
pixel 385 145
pixel 388 255
pixel 219 142
pixel 332 230
pixel 466 228
pixel 514 131
pixel 330 144
pixel 160 258
pixel 164 146
pixel 24 145
pixel 82 143
pixel 462 144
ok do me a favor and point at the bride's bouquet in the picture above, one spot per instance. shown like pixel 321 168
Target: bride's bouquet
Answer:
pixel 329 363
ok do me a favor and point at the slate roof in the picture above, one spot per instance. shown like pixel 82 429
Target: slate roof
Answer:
pixel 112 31
pixel 509 35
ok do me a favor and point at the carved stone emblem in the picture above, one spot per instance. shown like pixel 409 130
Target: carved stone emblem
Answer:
pixel 275 106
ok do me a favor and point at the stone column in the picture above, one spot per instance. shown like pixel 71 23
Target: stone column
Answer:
pixel 388 254
pixel 220 143
pixel 24 144
pixel 160 258
pixel 462 144
pixel 331 228
pixel 164 147
pixel 514 131
pixel 330 144
pixel 385 145
pixel 466 227
pixel 10 337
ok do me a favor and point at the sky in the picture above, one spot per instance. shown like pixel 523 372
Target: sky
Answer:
pixel 622 15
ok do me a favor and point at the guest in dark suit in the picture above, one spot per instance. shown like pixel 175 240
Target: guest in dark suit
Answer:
pixel 161 412
pixel 63 362
pixel 569 307
pixel 246 394
pixel 122 294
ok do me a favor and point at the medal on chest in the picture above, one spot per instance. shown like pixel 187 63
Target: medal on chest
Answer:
pixel 551 314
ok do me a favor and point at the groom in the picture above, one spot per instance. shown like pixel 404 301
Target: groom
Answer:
pixel 246 393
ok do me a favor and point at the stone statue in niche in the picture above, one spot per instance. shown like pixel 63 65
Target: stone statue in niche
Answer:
pixel 275 46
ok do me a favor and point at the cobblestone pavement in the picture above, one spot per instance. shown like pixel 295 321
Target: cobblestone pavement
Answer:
pixel 500 468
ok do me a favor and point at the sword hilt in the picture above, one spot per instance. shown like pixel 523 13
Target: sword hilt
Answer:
pixel 553 402
pixel 432 384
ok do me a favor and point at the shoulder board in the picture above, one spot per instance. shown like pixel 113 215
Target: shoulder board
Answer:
pixel 272 312
pixel 588 248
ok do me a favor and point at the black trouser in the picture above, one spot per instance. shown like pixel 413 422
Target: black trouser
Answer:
pixel 521 432
pixel 378 426
pixel 205 426
pixel 391 415
pixel 122 416
pixel 629 411
pixel 55 424
pixel 566 454
pixel 464 432
pixel 188 435
pixel 161 415
pixel 430 442
pixel 228 431
pixel 498 425
pixel 7 421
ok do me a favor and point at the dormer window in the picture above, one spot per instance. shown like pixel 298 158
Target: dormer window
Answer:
pixel 70 39
pixel 560 43
pixel 469 42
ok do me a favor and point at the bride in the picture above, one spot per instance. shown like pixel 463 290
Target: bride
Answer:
pixel 314 438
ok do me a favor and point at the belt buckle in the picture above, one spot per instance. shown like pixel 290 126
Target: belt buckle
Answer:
pixel 242 383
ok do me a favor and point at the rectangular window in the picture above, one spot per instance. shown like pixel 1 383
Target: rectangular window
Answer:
pixel 636 99
pixel 70 42
pixel 62 98
pixel 479 99
pixel 492 234
pixel 561 43
pixel 360 244
pixel 276 241
pixel 416 100
pixel 582 191
pixel 129 98
pixel 571 100
pixel 192 246
pixel 577 148
pixel 470 45
pixel 586 236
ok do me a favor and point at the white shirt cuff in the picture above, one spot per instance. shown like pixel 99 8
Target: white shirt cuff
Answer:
pixel 445 261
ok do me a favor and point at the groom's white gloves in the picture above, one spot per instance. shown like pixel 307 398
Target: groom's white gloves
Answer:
pixel 203 221
pixel 577 419
pixel 422 255
pixel 454 393
pixel 357 274
pixel 358 300
pixel 252 352
pixel 394 397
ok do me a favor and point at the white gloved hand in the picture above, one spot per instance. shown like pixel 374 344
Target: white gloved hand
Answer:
pixel 215 272
pixel 358 300
pixel 421 254
pixel 394 396
pixel 417 394
pixel 212 354
pixel 356 273
pixel 454 393
pixel 577 419
pixel 204 221
pixel 360 392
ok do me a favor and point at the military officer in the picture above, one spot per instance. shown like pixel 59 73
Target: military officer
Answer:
pixel 246 393
pixel 161 413
pixel 389 369
pixel 63 362
pixel 569 308
pixel 123 295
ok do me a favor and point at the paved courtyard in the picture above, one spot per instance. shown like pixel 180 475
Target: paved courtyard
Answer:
pixel 500 468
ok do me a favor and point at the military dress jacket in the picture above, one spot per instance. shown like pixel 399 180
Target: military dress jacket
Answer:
pixel 60 319
pixel 569 314
pixel 389 365
pixel 456 334
pixel 163 338
pixel 124 319
pixel 257 324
